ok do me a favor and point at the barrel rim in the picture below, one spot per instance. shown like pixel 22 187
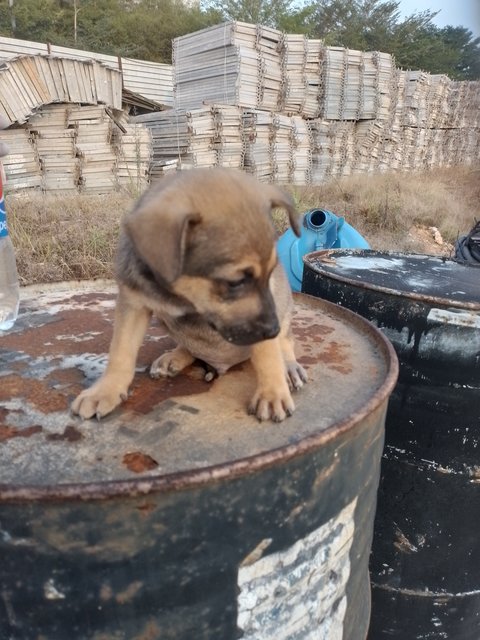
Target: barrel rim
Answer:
pixel 196 478
pixel 436 300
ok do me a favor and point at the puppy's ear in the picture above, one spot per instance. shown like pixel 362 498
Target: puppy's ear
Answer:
pixel 280 198
pixel 159 233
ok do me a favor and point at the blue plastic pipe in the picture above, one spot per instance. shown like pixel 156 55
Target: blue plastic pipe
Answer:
pixel 321 229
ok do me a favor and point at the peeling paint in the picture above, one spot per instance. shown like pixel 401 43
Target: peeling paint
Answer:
pixel 51 591
pixel 299 592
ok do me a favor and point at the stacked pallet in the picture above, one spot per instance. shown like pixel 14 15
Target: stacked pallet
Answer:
pixel 300 63
pixel 27 83
pixel 343 151
pixel 270 69
pixel 281 148
pixel 231 64
pixel 314 79
pixel 21 165
pixel 66 147
pixel 133 150
pixel 54 141
pixel 257 130
pixel 369 145
pixel 332 148
pixel 293 49
pixel 356 85
pixel 386 79
pixel 201 129
pixel 464 104
pixel 324 85
pixel 170 139
pixel 243 65
pixel 301 152
pixel 439 107
pixel 93 128
pixel 322 148
pixel 217 65
pixel 182 138
pixel 150 80
pixel 229 140
pixel 272 147
pixel 417 87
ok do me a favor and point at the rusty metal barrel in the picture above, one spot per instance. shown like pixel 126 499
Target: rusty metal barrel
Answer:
pixel 425 565
pixel 180 516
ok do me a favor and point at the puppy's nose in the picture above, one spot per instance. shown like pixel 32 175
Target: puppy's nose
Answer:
pixel 269 329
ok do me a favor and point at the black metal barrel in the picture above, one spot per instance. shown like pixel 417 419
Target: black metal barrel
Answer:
pixel 180 516
pixel 425 565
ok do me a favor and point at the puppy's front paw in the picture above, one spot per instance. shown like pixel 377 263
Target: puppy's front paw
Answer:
pixel 171 363
pixel 101 399
pixel 296 375
pixel 271 403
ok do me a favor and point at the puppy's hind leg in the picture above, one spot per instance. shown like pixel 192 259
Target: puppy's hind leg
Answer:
pixel 171 363
pixel 130 325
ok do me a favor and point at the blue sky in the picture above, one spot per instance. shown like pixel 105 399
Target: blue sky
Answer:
pixel 464 13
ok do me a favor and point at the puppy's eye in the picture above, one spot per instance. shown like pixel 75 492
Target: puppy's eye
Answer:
pixel 236 285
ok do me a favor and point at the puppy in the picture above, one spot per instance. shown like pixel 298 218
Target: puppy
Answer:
pixel 198 251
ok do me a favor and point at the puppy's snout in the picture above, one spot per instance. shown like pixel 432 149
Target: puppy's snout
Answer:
pixel 246 333
pixel 269 329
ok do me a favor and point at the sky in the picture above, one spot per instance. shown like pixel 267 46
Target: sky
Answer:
pixel 458 13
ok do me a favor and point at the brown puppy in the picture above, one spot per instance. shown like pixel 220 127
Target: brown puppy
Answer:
pixel 198 251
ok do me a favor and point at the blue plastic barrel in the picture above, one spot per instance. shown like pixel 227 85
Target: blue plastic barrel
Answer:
pixel 321 229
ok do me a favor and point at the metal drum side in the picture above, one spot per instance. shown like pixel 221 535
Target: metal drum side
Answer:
pixel 425 558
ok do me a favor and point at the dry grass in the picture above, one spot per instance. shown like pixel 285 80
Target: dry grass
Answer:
pixel 74 237
pixel 387 208
pixel 68 237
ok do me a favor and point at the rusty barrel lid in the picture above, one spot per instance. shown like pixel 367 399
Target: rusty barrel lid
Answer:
pixel 416 276
pixel 169 434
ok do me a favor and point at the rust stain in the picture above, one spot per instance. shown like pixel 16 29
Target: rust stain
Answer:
pixel 320 329
pixel 6 433
pixel 151 631
pixel 106 592
pixel 403 544
pixel 64 377
pixel 139 462
pixel 129 593
pixel 335 355
pixel 37 392
pixel 71 434
pixel 42 340
pixel 146 508
pixel 306 360
pixel 147 393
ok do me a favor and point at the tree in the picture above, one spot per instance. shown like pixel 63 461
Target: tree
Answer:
pixel 145 28
pixel 25 17
pixel 363 24
pixel 146 31
pixel 467 48
pixel 415 42
pixel 270 13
